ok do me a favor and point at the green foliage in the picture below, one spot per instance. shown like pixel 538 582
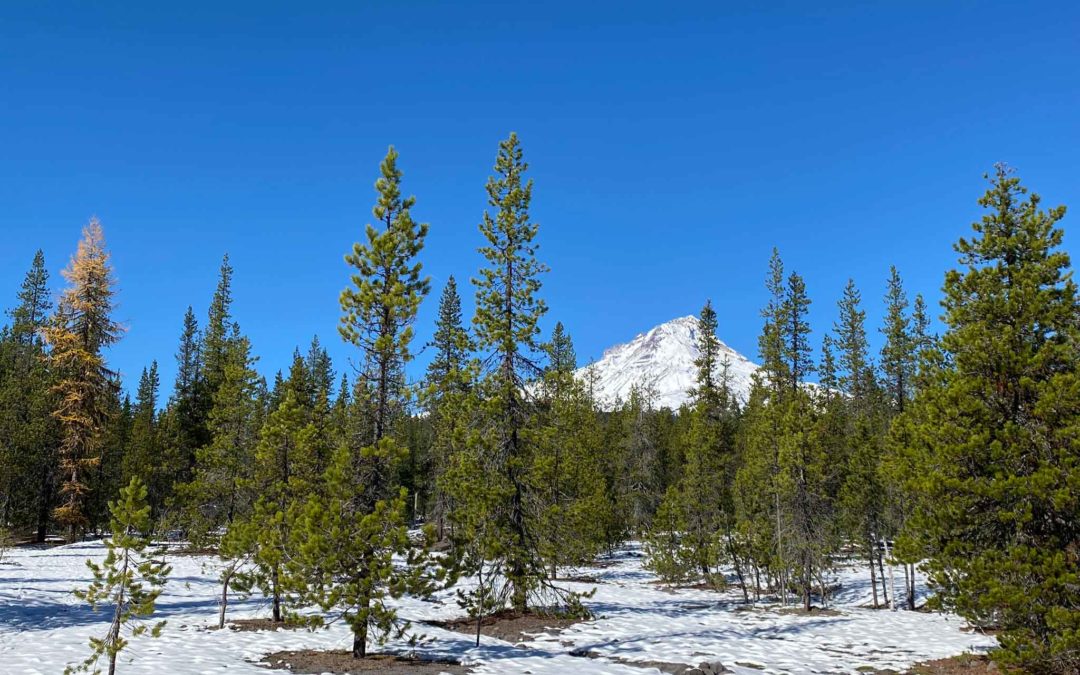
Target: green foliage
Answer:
pixel 129 580
pixel 145 453
pixel 701 505
pixel 380 307
pixel 285 473
pixel 995 429
pixel 214 497
pixel 29 435
pixel 567 469
pixel 347 545
pixel 507 311
pixel 451 376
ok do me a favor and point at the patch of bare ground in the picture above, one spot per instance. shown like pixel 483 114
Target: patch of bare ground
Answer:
pixel 193 551
pixel 261 624
pixel 813 611
pixel 964 664
pixel 579 579
pixel 311 662
pixel 703 668
pixel 508 625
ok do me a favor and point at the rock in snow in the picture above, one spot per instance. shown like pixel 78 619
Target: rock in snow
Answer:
pixel 662 361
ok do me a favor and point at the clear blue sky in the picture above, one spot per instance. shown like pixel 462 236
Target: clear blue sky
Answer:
pixel 672 145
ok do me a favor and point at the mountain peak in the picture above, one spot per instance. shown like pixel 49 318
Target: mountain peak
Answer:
pixel 662 360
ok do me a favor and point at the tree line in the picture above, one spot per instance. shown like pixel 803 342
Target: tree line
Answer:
pixel 955 453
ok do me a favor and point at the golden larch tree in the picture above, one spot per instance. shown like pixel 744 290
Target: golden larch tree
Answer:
pixel 80 329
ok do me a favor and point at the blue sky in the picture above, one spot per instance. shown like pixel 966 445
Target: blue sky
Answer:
pixel 672 145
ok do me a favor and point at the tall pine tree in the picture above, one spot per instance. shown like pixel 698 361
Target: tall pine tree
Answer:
pixel 78 333
pixel 997 424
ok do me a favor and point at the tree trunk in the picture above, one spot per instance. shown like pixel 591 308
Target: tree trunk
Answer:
pixel 909 573
pixel 225 595
pixel 277 595
pixel 359 644
pixel 114 630
pixel 873 572
pixel 881 576
pixel 738 569
pixel 43 506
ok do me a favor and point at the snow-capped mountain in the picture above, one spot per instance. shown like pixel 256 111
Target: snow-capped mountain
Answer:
pixel 662 359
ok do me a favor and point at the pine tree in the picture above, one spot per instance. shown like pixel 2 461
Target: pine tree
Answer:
pixel 899 364
pixel 860 434
pixel 700 505
pixel 144 456
pixel 507 312
pixel 215 343
pixel 31 315
pixel 998 423
pixel 380 308
pixel 77 334
pixel 450 379
pixel 567 469
pixel 770 342
pixel 795 331
pixel 213 497
pixel 129 581
pixel 898 353
pixel 351 532
pixel 185 424
pixel 284 474
pixel 29 432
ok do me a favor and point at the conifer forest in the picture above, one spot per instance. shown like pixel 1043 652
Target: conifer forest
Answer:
pixel 940 473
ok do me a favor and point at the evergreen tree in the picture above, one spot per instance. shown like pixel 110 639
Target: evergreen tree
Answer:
pixel 450 380
pixel 560 351
pixel 352 530
pixel 216 337
pixel 213 497
pixel 795 331
pixel 700 505
pixel 507 312
pixel 28 432
pixel 80 330
pixel 566 469
pixel 284 474
pixel 129 580
pixel 898 353
pixel 380 308
pixel 899 362
pixel 997 425
pixel 185 425
pixel 860 434
pixel 770 342
pixel 144 456
pixel 31 315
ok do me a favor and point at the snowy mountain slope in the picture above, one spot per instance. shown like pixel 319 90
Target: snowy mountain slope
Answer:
pixel 662 359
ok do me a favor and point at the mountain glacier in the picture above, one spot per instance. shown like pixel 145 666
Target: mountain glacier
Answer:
pixel 662 361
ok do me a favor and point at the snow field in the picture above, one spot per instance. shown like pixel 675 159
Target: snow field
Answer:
pixel 44 628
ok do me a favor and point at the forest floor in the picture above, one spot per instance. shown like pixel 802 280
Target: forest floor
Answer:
pixel 640 627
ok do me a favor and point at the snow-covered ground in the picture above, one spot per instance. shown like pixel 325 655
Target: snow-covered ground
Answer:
pixel 44 628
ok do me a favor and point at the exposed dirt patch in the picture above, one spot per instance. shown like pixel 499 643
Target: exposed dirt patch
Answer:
pixel 261 624
pixel 703 668
pixel 964 664
pixel 192 551
pixel 312 662
pixel 814 611
pixel 580 579
pixel 509 625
